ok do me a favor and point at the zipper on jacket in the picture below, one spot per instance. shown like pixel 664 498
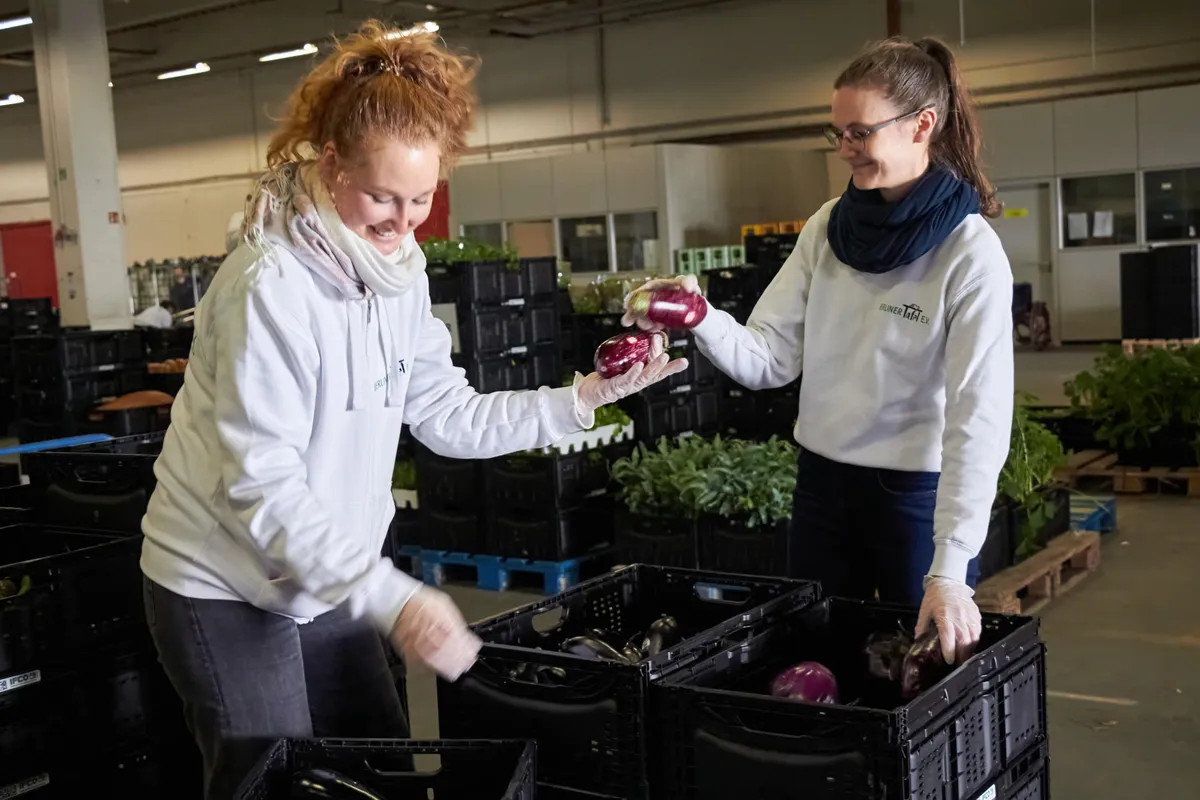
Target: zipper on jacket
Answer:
pixel 370 300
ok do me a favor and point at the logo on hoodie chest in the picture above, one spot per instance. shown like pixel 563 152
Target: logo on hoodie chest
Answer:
pixel 401 369
pixel 909 313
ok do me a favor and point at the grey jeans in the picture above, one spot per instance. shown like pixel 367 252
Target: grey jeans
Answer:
pixel 248 677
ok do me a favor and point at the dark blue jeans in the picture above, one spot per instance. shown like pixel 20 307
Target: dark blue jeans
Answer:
pixel 860 530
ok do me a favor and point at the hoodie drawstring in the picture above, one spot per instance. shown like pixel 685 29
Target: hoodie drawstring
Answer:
pixel 360 376
pixel 387 341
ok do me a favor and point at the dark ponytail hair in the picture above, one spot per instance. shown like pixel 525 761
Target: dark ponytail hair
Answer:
pixel 923 73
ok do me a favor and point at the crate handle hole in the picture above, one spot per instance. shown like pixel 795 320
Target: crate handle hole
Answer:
pixel 722 593
pixel 550 620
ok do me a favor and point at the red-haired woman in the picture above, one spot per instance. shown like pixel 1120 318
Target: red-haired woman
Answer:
pixel 265 591
pixel 896 303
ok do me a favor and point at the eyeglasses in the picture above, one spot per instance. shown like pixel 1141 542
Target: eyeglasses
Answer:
pixel 857 136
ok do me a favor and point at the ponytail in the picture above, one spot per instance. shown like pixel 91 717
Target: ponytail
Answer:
pixel 924 73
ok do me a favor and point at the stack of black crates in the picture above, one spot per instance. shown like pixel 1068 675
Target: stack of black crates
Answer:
pixel 60 377
pixel 19 317
pixel 84 705
pixel 504 323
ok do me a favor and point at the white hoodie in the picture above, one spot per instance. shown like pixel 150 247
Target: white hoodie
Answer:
pixel 274 483
pixel 908 370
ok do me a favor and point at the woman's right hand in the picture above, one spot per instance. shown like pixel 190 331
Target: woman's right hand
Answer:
pixel 431 630
pixel 631 318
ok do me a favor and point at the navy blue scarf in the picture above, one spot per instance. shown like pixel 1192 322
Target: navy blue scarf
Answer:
pixel 875 236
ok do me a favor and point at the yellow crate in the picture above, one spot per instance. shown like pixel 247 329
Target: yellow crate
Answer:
pixel 747 230
pixel 791 227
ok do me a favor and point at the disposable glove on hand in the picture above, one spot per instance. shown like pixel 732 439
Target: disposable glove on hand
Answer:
pixel 631 317
pixel 431 630
pixel 950 606
pixel 593 391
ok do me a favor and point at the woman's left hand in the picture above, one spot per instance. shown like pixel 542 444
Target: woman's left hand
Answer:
pixel 950 606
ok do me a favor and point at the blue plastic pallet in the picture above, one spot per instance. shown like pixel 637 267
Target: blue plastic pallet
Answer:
pixel 492 572
pixel 1094 512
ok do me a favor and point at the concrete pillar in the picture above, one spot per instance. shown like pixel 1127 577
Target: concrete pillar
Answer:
pixel 80 142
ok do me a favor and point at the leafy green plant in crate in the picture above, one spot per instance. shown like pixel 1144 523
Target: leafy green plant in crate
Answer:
pixel 1033 456
pixel 664 481
pixel 404 475
pixel 748 483
pixel 1136 398
pixel 451 251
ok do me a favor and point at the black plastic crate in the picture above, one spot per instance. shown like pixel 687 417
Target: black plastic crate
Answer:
pixel 693 411
pixel 537 481
pixel 26 317
pixel 590 330
pixel 404 531
pixel 474 282
pixel 84 592
pixel 104 486
pixel 589 718
pixel 665 542
pixel 163 344
pixel 770 250
pixel 46 358
pixel 999 547
pixel 552 534
pixel 529 370
pixel 77 394
pixel 508 329
pixel 475 769
pixel 541 276
pixel 724 734
pixel 458 531
pixel 729 547
pixel 740 286
pixel 449 483
pixel 41 430
pixel 103 705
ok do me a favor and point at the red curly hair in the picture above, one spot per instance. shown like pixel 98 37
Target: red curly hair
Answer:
pixel 408 87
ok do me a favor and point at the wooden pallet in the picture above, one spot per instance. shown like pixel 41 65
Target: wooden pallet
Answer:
pixel 1131 346
pixel 1099 466
pixel 1027 587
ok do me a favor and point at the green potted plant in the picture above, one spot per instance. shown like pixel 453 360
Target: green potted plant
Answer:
pixel 744 499
pixel 1027 482
pixel 1146 405
pixel 657 500
pixel 406 527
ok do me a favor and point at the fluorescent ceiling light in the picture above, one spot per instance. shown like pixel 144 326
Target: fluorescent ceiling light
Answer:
pixel 11 100
pixel 15 22
pixel 307 49
pixel 420 27
pixel 110 84
pixel 179 73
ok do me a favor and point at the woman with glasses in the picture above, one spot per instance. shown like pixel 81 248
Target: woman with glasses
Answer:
pixel 896 305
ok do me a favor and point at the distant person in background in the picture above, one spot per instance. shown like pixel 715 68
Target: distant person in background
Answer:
pixel 183 293
pixel 160 315
pixel 896 305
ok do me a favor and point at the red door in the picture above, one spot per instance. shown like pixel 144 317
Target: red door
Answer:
pixel 438 223
pixel 28 249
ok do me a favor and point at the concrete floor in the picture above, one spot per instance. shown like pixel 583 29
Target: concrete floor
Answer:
pixel 1123 653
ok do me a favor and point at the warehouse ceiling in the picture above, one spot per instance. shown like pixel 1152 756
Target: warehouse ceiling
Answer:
pixel 147 36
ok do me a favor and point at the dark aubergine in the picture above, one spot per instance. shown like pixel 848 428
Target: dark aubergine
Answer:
pixel 661 634
pixel 593 648
pixel 924 665
pixel 678 309
pixel 617 355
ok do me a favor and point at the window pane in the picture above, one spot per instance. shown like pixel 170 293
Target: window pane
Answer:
pixel 485 233
pixel 584 243
pixel 1172 204
pixel 637 240
pixel 1099 210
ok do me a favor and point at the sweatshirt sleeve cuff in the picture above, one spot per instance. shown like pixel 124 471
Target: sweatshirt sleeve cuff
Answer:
pixel 562 411
pixel 714 325
pixel 387 599
pixel 949 561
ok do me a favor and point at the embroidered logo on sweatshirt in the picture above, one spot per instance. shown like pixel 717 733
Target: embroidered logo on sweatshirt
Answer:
pixel 911 312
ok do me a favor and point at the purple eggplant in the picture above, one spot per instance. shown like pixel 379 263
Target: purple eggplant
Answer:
pixel 809 682
pixel 678 309
pixel 885 654
pixel 661 634
pixel 923 665
pixel 593 648
pixel 326 784
pixel 617 355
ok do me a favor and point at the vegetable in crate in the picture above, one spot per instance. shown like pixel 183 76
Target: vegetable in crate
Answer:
pixel 661 634
pixel 809 682
pixel 617 355
pixel 886 653
pixel 675 308
pixel 924 665
pixel 592 647
pixel 311 784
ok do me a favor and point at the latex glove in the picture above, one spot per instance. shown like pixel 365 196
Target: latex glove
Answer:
pixel 593 391
pixel 431 630
pixel 632 318
pixel 950 606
